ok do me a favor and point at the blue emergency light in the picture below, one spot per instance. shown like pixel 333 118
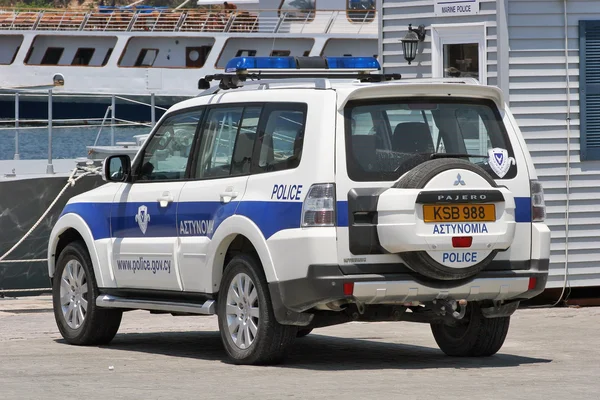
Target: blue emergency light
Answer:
pixel 298 63
pixel 240 69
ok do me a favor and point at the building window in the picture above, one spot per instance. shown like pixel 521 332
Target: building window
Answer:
pixel 245 53
pixel 107 56
pixel 298 10
pixel 461 60
pixel 52 56
pixel 146 58
pixel 589 93
pixel 280 53
pixel 195 57
pixel 361 11
pixel 83 56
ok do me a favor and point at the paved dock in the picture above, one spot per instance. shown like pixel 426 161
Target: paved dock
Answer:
pixel 549 354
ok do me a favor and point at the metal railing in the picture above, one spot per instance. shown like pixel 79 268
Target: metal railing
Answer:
pixel 50 124
pixel 193 20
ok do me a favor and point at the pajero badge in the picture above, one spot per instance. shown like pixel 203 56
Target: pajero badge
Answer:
pixel 499 161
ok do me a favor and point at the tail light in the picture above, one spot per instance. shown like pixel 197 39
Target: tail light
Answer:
pixel 319 206
pixel 538 206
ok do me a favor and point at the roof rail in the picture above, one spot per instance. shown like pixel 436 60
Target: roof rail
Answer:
pixel 266 84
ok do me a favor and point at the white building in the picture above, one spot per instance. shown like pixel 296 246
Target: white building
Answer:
pixel 545 55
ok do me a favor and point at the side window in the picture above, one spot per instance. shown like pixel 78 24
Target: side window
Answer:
pixel 283 137
pixel 166 156
pixel 244 144
pixel 218 141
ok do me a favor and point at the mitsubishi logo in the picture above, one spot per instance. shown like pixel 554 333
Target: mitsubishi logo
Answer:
pixel 459 181
pixel 142 218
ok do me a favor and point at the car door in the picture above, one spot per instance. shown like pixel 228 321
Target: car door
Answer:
pixel 144 213
pixel 224 156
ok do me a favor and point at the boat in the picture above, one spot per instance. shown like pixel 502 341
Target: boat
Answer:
pixel 155 55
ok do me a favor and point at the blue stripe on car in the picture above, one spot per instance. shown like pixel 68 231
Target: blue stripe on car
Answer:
pixel 270 217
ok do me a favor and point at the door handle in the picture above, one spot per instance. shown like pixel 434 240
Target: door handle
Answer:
pixel 226 197
pixel 165 199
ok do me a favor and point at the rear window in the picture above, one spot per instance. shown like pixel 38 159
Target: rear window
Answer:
pixel 384 140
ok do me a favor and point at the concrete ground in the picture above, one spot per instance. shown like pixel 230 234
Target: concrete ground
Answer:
pixel 549 354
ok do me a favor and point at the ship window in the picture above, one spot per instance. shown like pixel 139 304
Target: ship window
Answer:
pixel 361 11
pixel 280 53
pixel 195 57
pixel 294 10
pixel 107 56
pixel 245 53
pixel 146 58
pixel 52 56
pixel 83 56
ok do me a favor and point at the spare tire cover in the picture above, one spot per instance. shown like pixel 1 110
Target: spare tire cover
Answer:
pixel 431 263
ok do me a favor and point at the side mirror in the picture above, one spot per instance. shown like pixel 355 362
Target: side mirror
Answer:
pixel 117 169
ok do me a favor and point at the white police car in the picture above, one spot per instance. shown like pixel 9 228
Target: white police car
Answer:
pixel 289 204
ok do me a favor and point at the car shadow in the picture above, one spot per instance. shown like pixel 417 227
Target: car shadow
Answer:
pixel 317 352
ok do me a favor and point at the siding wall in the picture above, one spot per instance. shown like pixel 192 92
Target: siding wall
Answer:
pixel 538 98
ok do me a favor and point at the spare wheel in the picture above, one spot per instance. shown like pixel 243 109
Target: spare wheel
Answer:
pixel 447 218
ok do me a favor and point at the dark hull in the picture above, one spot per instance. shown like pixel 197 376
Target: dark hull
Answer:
pixel 22 202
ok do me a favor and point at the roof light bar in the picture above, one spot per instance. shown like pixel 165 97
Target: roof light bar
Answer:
pixel 240 69
pixel 299 63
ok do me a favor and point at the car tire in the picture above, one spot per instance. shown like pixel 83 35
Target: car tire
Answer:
pixel 476 336
pixel 74 292
pixel 419 261
pixel 247 324
pixel 303 332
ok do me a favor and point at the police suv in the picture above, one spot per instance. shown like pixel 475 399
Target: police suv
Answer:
pixel 305 192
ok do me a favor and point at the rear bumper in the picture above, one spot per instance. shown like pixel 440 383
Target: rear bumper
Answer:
pixel 324 284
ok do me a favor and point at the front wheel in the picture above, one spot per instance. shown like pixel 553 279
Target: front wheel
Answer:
pixel 474 336
pixel 74 293
pixel 249 330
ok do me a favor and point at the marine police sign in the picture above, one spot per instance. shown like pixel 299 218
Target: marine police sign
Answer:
pixel 449 8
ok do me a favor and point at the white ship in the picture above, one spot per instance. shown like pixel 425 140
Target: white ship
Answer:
pixel 159 53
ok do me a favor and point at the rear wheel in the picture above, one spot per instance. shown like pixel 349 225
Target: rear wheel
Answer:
pixel 249 330
pixel 74 293
pixel 474 336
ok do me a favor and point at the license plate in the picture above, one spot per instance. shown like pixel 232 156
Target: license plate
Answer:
pixel 459 213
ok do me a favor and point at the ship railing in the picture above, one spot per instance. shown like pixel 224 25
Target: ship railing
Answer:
pixel 193 20
pixel 110 120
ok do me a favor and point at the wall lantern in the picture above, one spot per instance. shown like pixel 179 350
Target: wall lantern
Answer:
pixel 410 42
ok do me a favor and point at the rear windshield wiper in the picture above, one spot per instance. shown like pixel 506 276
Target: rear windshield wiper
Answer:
pixel 456 155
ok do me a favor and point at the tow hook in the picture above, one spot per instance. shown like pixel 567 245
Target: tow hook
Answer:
pixel 450 308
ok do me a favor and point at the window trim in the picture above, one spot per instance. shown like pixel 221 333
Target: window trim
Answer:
pixel 368 177
pixel 442 34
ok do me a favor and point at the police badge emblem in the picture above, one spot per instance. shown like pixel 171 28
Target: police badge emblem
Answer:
pixel 142 218
pixel 499 161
